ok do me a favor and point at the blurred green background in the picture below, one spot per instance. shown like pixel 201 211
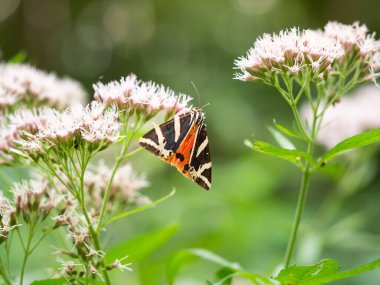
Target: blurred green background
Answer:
pixel 247 215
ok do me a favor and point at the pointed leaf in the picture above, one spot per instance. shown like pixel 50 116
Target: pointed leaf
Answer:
pixel 357 141
pixel 281 139
pixel 295 156
pixel 141 246
pixel 18 58
pixel 322 272
pixel 306 274
pixel 346 274
pixel 286 131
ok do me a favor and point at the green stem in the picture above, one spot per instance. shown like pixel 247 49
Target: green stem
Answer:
pixel 297 219
pixel 3 272
pixel 95 236
pixel 126 142
pixel 26 253
pixel 305 178
pixel 4 276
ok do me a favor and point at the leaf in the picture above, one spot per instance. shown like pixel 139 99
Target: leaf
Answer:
pixel 348 273
pixel 306 274
pixel 141 246
pixel 291 155
pixel 53 281
pixel 320 273
pixel 281 139
pixel 357 141
pixel 187 255
pixel 142 208
pixel 286 131
pixel 18 58
pixel 222 277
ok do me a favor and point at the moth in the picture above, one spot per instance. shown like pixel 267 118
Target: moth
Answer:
pixel 183 142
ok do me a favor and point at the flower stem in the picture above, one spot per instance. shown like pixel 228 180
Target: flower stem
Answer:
pixel 297 219
pixel 26 252
pixel 306 173
pixel 3 274
pixel 126 142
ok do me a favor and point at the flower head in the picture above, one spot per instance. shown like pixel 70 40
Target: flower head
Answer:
pixel 7 217
pixel 348 35
pixel 94 125
pixel 131 94
pixel 34 197
pixel 14 129
pixel 117 264
pixel 22 83
pixel 291 50
pixel 315 51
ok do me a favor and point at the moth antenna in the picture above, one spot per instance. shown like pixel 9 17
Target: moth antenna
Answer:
pixel 205 105
pixel 196 90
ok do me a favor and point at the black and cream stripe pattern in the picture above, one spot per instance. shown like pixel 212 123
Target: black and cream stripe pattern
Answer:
pixel 183 142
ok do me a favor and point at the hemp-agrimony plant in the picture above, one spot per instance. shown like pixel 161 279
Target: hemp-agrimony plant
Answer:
pixel 59 139
pixel 316 67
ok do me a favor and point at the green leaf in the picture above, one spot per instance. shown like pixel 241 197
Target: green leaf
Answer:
pixel 187 255
pixel 18 58
pixel 141 246
pixel 305 274
pixel 348 273
pixel 281 139
pixel 222 277
pixel 53 281
pixel 291 155
pixel 286 131
pixel 320 273
pixel 142 208
pixel 357 141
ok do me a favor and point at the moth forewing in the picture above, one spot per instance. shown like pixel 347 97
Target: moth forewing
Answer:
pixel 182 142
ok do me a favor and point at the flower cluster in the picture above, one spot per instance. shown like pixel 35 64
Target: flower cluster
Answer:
pixel 8 218
pixel 36 198
pixel 94 125
pixel 352 37
pixel 294 51
pixel 124 188
pixel 131 94
pixel 21 122
pixel 24 84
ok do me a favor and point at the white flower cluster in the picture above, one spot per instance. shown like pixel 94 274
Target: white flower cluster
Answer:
pixel 93 123
pixel 7 217
pixel 124 189
pixel 22 121
pixel 33 132
pixel 34 197
pixel 130 94
pixel 22 83
pixel 295 50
